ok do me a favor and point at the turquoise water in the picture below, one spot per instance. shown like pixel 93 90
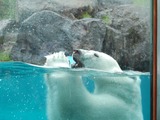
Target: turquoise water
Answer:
pixel 23 91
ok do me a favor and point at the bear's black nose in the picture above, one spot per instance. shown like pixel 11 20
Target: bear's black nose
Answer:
pixel 76 52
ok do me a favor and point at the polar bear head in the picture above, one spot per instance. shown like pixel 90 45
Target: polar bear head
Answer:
pixel 95 60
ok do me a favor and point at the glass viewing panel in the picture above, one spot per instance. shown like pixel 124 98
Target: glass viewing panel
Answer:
pixel 75 59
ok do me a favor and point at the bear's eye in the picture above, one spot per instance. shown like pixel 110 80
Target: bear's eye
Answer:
pixel 96 55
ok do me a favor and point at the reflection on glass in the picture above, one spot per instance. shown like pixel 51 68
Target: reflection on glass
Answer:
pixel 30 30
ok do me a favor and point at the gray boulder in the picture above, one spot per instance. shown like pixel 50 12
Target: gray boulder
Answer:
pixel 46 32
pixel 8 33
pixel 26 8
pixel 110 3
pixel 128 36
pixel 3 24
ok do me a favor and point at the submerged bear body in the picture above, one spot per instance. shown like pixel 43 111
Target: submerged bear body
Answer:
pixel 114 98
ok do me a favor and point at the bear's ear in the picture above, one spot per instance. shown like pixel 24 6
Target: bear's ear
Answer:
pixel 95 54
pixel 47 56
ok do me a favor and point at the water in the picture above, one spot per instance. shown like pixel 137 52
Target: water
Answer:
pixel 23 91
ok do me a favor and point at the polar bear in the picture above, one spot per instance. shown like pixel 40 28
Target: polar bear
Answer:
pixel 114 98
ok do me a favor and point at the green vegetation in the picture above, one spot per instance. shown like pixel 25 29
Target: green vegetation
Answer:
pixel 7 9
pixel 86 15
pixel 4 56
pixel 106 19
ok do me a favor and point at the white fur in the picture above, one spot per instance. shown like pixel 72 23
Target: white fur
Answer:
pixel 115 98
pixel 103 62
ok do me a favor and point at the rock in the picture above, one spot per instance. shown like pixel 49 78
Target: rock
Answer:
pixel 1 35
pixel 27 8
pixel 128 36
pixel 72 8
pixel 8 33
pixel 104 4
pixel 3 26
pixel 47 32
